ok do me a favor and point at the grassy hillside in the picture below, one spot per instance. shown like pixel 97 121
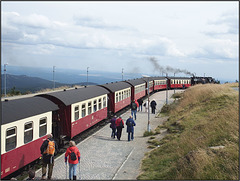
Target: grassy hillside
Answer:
pixel 203 139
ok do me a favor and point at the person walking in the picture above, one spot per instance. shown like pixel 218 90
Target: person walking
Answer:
pixel 113 126
pixel 48 150
pixel 120 126
pixel 73 155
pixel 133 107
pixel 153 106
pixel 146 106
pixel 140 102
pixel 130 127
pixel 137 103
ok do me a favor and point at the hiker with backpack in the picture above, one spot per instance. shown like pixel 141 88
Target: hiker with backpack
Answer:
pixel 113 126
pixel 130 127
pixel 120 126
pixel 153 105
pixel 73 155
pixel 133 107
pixel 48 150
pixel 146 106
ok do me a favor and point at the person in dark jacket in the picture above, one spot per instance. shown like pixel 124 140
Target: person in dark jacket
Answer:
pixel 130 127
pixel 153 106
pixel 120 126
pixel 113 126
pixel 47 159
pixel 140 102
pixel 72 163
pixel 133 107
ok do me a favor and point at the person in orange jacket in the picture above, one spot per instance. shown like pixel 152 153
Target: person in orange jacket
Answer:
pixel 73 160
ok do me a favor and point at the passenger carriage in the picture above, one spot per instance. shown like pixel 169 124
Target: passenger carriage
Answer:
pixel 179 82
pixel 79 109
pixel 25 124
pixel 138 88
pixel 119 95
pixel 160 83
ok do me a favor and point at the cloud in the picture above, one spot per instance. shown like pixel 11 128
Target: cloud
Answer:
pixel 157 45
pixel 98 23
pixel 218 49
pixel 85 33
pixel 33 20
pixel 88 33
pixel 227 23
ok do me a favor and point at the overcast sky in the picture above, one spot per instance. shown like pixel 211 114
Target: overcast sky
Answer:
pixel 200 37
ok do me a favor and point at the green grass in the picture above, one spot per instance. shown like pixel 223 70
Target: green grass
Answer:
pixel 205 116
pixel 148 133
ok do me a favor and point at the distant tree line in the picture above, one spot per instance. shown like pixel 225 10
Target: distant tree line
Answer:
pixel 14 92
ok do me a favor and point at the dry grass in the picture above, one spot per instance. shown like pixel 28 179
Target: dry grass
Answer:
pixel 236 84
pixel 206 116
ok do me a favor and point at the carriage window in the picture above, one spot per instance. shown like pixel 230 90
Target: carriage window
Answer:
pixel 83 110
pixel 76 110
pixel 89 108
pixel 104 102
pixel 42 127
pixel 28 132
pixel 120 96
pixel 11 138
pixel 100 103
pixel 116 97
pixel 94 105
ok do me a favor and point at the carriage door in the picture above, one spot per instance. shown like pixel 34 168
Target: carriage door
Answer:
pixel 56 126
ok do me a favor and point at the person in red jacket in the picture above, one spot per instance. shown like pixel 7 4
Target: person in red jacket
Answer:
pixel 137 102
pixel 73 160
pixel 120 126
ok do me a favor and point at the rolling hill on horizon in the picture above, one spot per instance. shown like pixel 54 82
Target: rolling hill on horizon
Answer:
pixel 24 83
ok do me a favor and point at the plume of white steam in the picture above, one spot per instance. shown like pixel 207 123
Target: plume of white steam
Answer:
pixel 167 69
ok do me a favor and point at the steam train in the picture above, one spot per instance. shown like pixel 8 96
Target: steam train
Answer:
pixel 27 120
